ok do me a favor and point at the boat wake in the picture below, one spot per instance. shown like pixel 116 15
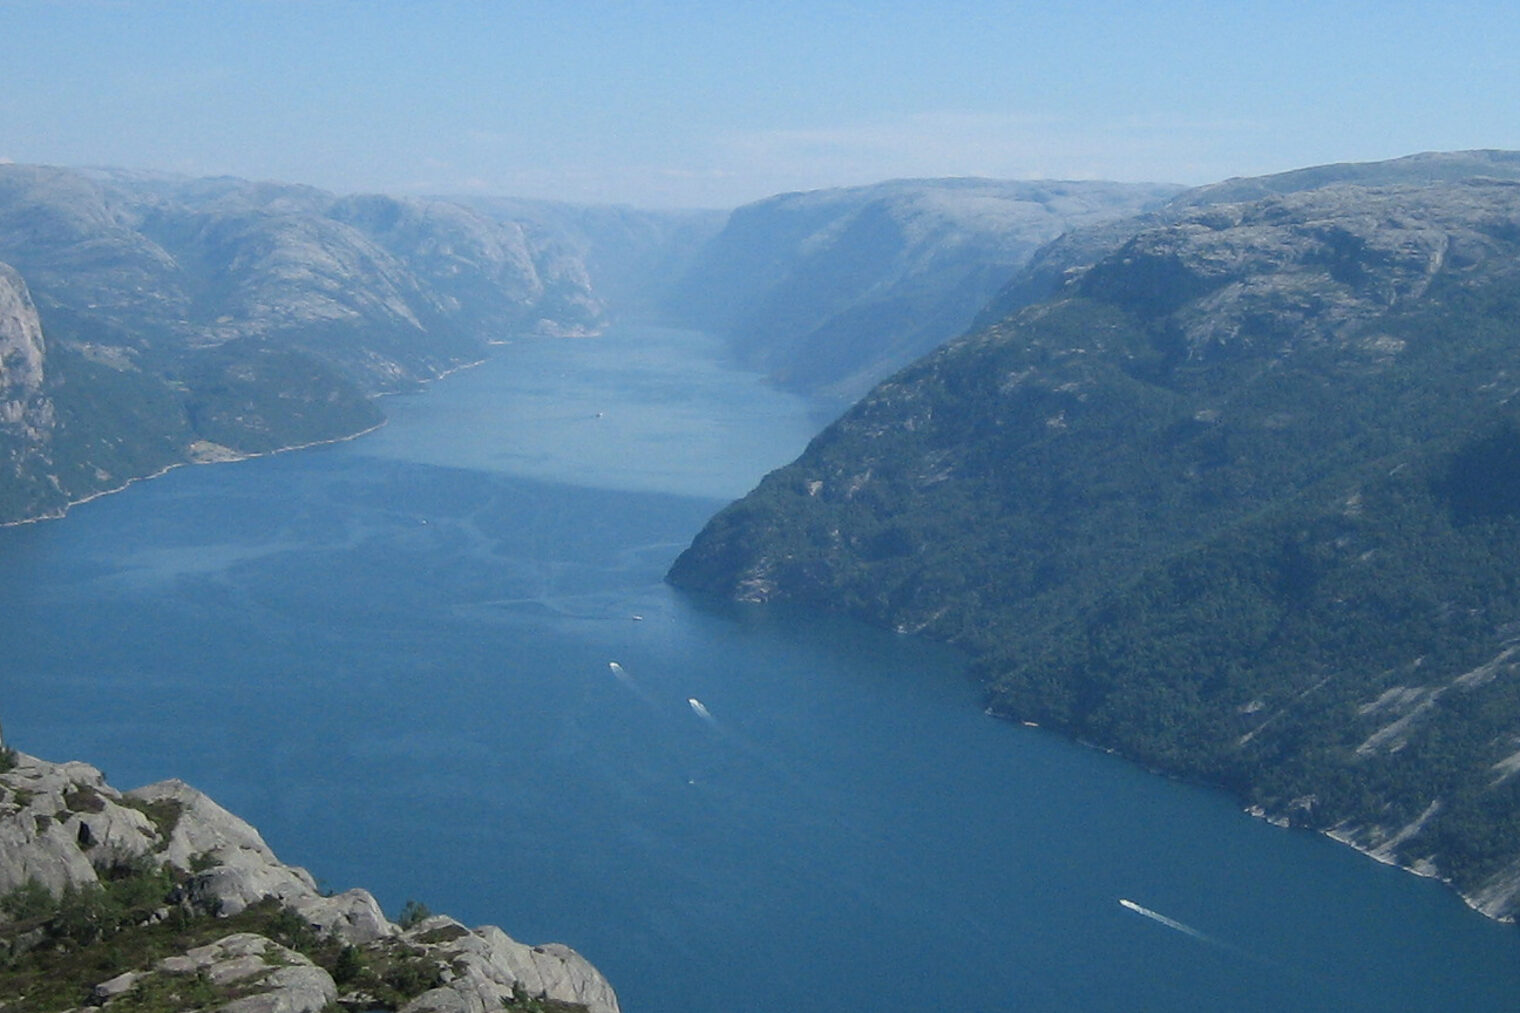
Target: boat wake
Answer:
pixel 1170 923
pixel 1188 930
pixel 700 709
pixel 621 675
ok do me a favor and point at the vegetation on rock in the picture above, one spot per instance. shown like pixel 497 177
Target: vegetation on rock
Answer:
pixel 161 900
pixel 1240 501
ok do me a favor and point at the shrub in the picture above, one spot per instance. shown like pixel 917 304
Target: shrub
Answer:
pixel 29 901
pixel 413 914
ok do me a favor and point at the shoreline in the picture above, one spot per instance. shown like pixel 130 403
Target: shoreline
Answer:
pixel 1471 900
pixel 1341 835
pixel 61 512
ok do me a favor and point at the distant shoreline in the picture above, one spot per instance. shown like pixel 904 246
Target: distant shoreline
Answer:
pixel 62 511
pixel 233 455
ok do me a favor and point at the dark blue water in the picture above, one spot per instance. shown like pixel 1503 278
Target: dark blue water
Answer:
pixel 393 656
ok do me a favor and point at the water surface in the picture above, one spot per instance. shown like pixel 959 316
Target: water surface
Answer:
pixel 396 657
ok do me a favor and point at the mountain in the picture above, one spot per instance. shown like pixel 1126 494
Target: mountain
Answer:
pixel 389 290
pixel 1240 500
pixel 151 320
pixel 831 290
pixel 632 257
pixel 78 419
pixel 160 899
pixel 187 319
pixel 1080 247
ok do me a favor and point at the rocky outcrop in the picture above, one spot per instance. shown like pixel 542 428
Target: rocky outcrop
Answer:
pixel 21 348
pixel 246 972
pixel 488 968
pixel 62 827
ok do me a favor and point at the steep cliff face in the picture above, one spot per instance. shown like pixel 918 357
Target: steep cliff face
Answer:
pixel 88 871
pixel 21 348
pixel 831 290
pixel 632 257
pixel 1238 501
pixel 26 412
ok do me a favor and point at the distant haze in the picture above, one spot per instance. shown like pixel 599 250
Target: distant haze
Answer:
pixel 686 105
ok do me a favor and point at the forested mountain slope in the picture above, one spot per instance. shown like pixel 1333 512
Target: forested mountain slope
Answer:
pixel 1241 501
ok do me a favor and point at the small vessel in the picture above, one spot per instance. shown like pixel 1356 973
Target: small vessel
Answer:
pixel 700 709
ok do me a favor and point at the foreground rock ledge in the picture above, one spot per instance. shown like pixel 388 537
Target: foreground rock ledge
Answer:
pixel 63 829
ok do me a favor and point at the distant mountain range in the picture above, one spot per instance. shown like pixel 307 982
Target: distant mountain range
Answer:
pixel 149 320
pixel 1232 488
pixel 830 291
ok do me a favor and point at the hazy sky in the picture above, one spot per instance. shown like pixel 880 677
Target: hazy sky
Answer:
pixel 716 103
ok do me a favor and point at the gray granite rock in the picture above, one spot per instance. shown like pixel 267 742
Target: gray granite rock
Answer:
pixel 264 976
pixel 60 824
pixel 488 966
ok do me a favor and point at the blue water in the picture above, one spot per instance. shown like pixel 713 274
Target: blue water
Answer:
pixel 393 656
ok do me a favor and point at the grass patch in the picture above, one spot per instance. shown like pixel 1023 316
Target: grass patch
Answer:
pixel 55 950
pixel 84 799
pixel 163 813
pixel 164 993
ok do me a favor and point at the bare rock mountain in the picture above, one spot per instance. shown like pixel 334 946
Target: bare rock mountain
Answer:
pixel 26 412
pixel 192 320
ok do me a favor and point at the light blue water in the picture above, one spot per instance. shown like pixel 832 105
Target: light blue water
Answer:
pixel 393 656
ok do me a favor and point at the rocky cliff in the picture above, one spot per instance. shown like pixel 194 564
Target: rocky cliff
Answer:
pixel 1238 500
pixel 160 898
pixel 26 412
pixel 633 257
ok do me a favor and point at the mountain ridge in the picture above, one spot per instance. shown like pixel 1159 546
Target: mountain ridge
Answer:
pixel 208 319
pixel 828 291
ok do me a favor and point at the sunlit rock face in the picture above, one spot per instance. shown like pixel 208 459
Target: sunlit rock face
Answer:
pixel 64 829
